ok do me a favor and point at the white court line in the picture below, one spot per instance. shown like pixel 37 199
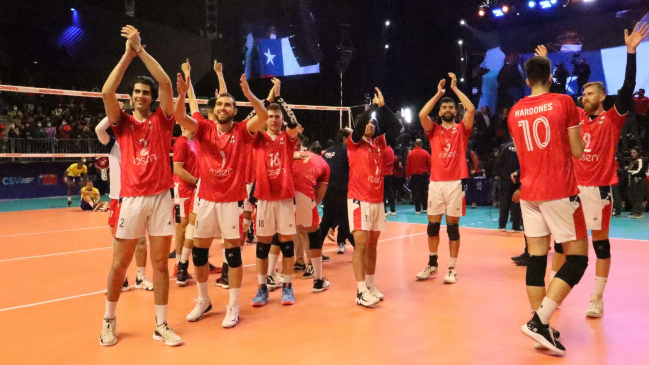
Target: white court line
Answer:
pixel 55 254
pixel 101 291
pixel 46 232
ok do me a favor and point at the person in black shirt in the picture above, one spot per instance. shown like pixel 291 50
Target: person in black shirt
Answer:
pixel 637 182
pixel 506 165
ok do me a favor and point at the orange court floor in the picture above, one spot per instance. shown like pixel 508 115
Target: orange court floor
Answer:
pixel 54 264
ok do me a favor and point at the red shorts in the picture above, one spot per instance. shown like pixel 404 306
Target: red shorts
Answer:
pixel 113 212
pixel 186 203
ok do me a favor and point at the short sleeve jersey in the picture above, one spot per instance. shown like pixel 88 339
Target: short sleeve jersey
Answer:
pixel 366 169
pixel 74 171
pixel 273 159
pixel 309 172
pixel 448 152
pixel 185 152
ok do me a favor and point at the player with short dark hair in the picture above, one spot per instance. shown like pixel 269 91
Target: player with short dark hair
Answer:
pixel 76 174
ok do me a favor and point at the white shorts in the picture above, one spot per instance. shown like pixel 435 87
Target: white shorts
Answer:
pixel 139 215
pixel 597 204
pixel 563 218
pixel 364 216
pixel 185 204
pixel 446 197
pixel 306 211
pixel 277 216
pixel 247 207
pixel 195 201
pixel 219 220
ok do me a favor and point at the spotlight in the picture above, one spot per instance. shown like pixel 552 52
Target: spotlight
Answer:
pixel 462 22
pixel 481 12
pixel 36 62
pixel 373 115
pixel 462 59
pixel 460 42
pixel 73 9
pixel 505 8
pixel 498 13
pixel 531 4
pixel 387 23
pixel 462 79
pixel 387 46
pixel 553 2
pixel 545 4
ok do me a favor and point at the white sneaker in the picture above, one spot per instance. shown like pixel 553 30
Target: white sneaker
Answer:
pixel 231 317
pixel 375 292
pixel 107 336
pixel 145 284
pixel 418 213
pixel 596 308
pixel 366 299
pixel 451 276
pixel 427 273
pixel 164 333
pixel 203 305
pixel 392 213
pixel 341 249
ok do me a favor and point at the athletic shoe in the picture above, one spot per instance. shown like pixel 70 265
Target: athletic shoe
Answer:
pixel 214 269
pixel 341 249
pixel 299 266
pixel 172 255
pixel 223 282
pixel 125 286
pixel 309 272
pixel 330 235
pixel 474 205
pixel 231 316
pixel 556 336
pixel 418 213
pixel 502 229
pixel 326 258
pixel 596 308
pixel 543 334
pixel 107 336
pixel 427 273
pixel 375 292
pixel 69 203
pixel 203 305
pixel 392 213
pixel 175 274
pixel 637 216
pixel 166 334
pixel 144 283
pixel 183 275
pixel 522 262
pixel 288 298
pixel 366 299
pixel 524 255
pixel 320 285
pixel 451 276
pixel 274 281
pixel 261 298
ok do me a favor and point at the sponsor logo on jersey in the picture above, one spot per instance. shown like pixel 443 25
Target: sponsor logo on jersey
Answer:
pixel 221 172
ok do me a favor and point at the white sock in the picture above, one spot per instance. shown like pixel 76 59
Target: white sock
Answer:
pixel 432 253
pixel 552 275
pixel 453 262
pixel 246 225
pixel 547 308
pixel 202 290
pixel 600 284
pixel 184 256
pixel 160 314
pixel 110 310
pixel 141 272
pixel 261 279
pixel 234 296
pixel 69 198
pixel 272 262
pixel 362 286
pixel 369 279
pixel 177 258
pixel 317 267
pixel 287 278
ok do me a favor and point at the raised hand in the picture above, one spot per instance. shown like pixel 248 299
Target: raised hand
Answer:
pixel 218 67
pixel 453 80
pixel 541 51
pixel 244 85
pixel 271 94
pixel 379 97
pixel 186 68
pixel 181 84
pixel 133 36
pixel 216 93
pixel 633 40
pixel 440 87
pixel 277 84
pixel 130 52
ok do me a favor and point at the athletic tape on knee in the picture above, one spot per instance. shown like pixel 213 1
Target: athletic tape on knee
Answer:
pixel 233 257
pixel 288 248
pixel 453 231
pixel 433 229
pixel 573 270
pixel 535 275
pixel 189 232
pixel 558 248
pixel 263 249
pixel 200 256
pixel 141 244
pixel 602 249
pixel 315 240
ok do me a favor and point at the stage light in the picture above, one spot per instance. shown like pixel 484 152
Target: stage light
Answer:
pixel 407 115
pixel 481 12
pixel 531 4
pixel 505 8
pixel 373 115
pixel 462 22
pixel 36 62
pixel 387 23
pixel 498 13
pixel 460 42
pixel 553 2
pixel 462 59
pixel 387 46
pixel 73 9
pixel 545 4
pixel 462 79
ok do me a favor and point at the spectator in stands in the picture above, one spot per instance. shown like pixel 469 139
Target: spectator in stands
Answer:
pixel 506 169
pixel 64 130
pixel 417 170
pixel 637 183
pixel 641 107
pixel 13 131
pixel 388 180
pixel 39 132
pixel 50 130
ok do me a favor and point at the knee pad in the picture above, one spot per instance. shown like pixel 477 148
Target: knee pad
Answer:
pixel 602 249
pixel 263 249
pixel 535 275
pixel 573 270
pixel 453 231
pixel 233 257
pixel 433 229
pixel 315 240
pixel 558 248
pixel 189 232
pixel 141 244
pixel 200 256
pixel 288 248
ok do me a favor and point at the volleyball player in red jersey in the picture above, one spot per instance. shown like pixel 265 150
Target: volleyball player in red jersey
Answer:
pixel 366 210
pixel 448 144
pixel 145 142
pixel 596 170
pixel 545 129
pixel 222 148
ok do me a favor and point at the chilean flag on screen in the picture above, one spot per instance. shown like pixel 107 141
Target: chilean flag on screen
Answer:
pixel 276 58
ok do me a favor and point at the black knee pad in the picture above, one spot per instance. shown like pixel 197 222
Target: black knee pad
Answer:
pixel 233 257
pixel 288 248
pixel 315 240
pixel 602 249
pixel 558 248
pixel 263 249
pixel 453 231
pixel 177 213
pixel 433 229
pixel 200 256
pixel 573 270
pixel 536 266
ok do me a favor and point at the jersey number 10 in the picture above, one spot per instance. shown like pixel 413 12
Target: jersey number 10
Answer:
pixel 525 124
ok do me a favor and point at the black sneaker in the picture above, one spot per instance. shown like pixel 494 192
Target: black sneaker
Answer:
pixel 69 203
pixel 543 334
pixel 557 334
pixel 299 266
pixel 125 286
pixel 325 258
pixel 172 255
pixel 308 272
pixel 522 256
pixel 181 277
pixel 320 285
pixel 223 282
